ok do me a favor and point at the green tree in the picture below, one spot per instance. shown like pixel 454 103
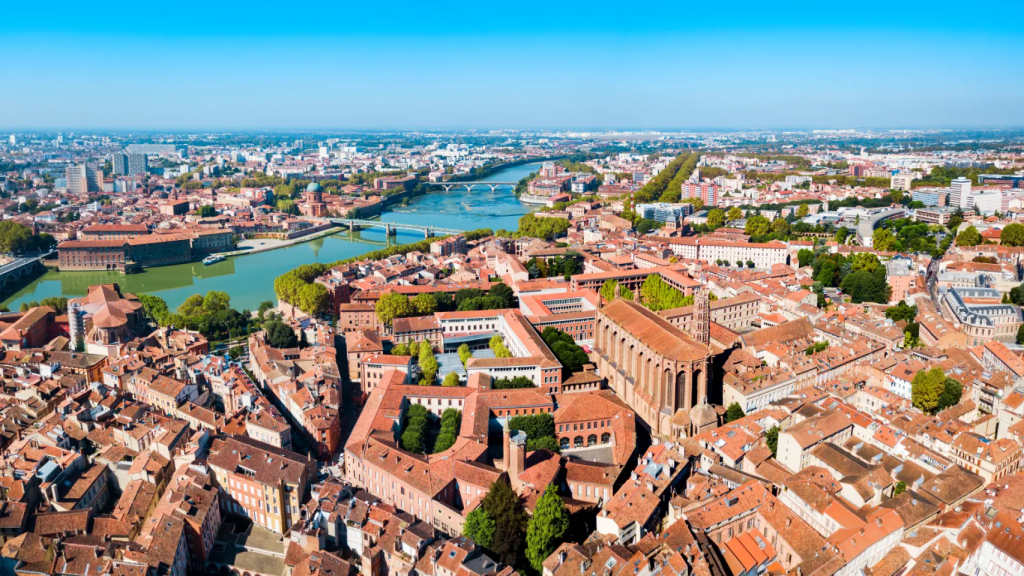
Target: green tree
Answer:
pixel 901 311
pixel 901 487
pixel 969 237
pixel 608 290
pixel 416 420
pixel 58 303
pixel 841 235
pixel 504 294
pixel 951 391
pixel 716 218
pixel 883 240
pixel 802 211
pixel 955 221
pixel 400 349
pixel 569 354
pixel 280 335
pixel 428 364
pixel 780 227
pixel 207 211
pixel 1020 335
pixel 393 305
pixel 658 295
pixel 1012 235
pixel 465 353
pixel 424 303
pixel 804 257
pixel 548 443
pixel 216 301
pixel 547 528
pixel 926 388
pixel 506 508
pixel 734 213
pixel 451 421
pixel 451 379
pixel 479 527
pixel 192 307
pixel 14 237
pixel 772 439
pixel 734 412
pixel 757 226
pixel 863 286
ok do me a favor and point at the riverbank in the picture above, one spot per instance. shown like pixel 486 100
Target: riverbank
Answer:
pixel 266 244
pixel 250 280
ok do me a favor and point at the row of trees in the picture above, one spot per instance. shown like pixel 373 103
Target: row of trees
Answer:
pixel 905 235
pixel 428 365
pixel 394 305
pixel 608 290
pixel 416 435
pixel 497 344
pixel 569 354
pixel 211 315
pixel 544 228
pixel 673 191
pixel 16 238
pixel 564 266
pixel 451 420
pixel 861 275
pixel 501 525
pixel 512 383
pixel 657 186
pixel 657 295
pixel 298 288
pixel 539 429
pixel 58 303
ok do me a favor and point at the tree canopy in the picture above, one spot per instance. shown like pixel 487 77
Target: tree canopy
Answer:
pixel 546 528
pixel 1012 235
pixel 926 388
pixel 969 237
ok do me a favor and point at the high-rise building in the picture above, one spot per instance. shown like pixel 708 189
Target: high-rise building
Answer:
pixel 120 163
pixel 84 178
pixel 137 164
pixel 959 192
pixel 14 139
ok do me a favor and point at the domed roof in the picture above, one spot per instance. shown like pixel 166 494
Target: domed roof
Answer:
pixel 313 187
pixel 703 414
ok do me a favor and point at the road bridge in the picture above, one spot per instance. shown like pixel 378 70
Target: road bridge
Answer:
pixel 469 185
pixel 18 269
pixel 392 228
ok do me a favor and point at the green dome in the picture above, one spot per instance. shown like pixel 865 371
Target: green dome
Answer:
pixel 313 187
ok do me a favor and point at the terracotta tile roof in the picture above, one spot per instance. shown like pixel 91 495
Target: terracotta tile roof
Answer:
pixel 654 331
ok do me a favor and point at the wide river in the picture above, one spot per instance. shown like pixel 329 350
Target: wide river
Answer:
pixel 249 279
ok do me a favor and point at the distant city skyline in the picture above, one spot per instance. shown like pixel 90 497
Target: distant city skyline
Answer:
pixel 659 66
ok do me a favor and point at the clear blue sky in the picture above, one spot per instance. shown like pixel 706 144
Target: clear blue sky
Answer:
pixel 455 64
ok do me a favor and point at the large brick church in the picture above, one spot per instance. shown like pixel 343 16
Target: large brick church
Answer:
pixel 660 371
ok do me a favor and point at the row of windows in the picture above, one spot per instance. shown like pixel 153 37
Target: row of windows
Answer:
pixel 579 426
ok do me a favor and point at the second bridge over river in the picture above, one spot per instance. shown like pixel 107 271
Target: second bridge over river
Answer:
pixel 470 185
pixel 392 228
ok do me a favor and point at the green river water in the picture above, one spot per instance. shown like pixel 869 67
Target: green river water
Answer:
pixel 249 279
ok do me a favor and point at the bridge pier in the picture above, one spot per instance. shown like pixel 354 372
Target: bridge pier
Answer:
pixel 428 233
pixel 447 187
pixel 390 230
pixel 493 187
